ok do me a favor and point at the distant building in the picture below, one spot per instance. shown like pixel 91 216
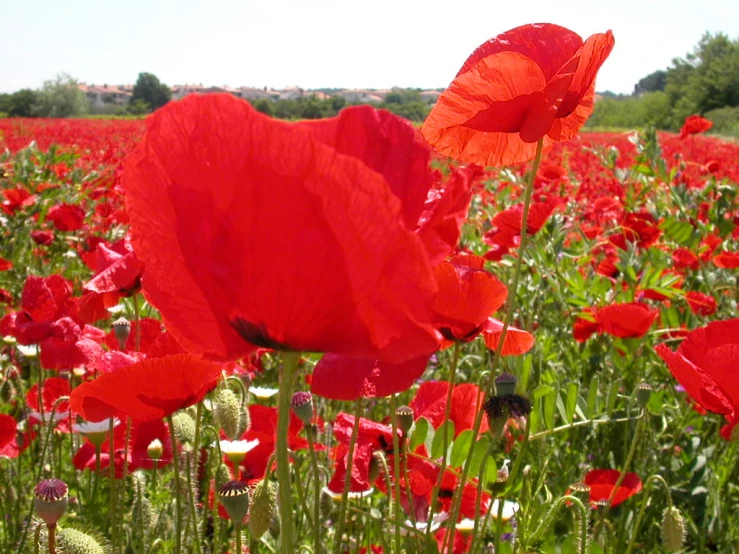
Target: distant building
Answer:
pixel 105 95
pixel 430 96
pixel 361 96
pixel 252 93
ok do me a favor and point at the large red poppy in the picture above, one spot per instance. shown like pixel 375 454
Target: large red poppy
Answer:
pixel 694 124
pixel 151 389
pixel 705 365
pixel 603 481
pixel 532 82
pixel 257 232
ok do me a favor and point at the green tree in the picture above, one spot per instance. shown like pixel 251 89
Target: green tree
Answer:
pixel 149 89
pixel 20 103
pixel 655 81
pixel 61 97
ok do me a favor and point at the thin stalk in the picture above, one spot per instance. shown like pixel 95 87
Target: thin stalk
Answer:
pixel 111 480
pixel 237 530
pixel 396 472
pixel 287 373
pixel 191 500
pixel 347 475
pixel 511 305
pixel 643 507
pixel 52 538
pixel 444 437
pixel 621 477
pixel 137 319
pixel 177 506
pixel 310 431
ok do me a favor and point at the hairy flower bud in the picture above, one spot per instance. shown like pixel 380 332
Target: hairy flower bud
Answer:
pixel 74 541
pixel 121 330
pixel 263 508
pixel 228 410
pixel 673 529
pixel 184 426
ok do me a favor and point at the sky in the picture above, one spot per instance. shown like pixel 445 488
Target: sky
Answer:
pixel 326 43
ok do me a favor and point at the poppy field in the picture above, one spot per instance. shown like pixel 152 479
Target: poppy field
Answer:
pixel 498 333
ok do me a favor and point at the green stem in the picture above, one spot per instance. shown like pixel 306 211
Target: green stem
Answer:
pixel 177 506
pixel 52 538
pixel 137 319
pixel 444 436
pixel 478 502
pixel 621 477
pixel 511 305
pixel 111 481
pixel 643 507
pixel 191 499
pixel 237 530
pixel 284 396
pixel 310 430
pixel 348 474
pixel 396 472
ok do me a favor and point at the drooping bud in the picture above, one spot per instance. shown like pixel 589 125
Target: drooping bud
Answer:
pixel 643 394
pixel 50 500
pixel 505 384
pixel 263 508
pixel 673 529
pixel 234 496
pixel 404 415
pixel 228 410
pixel 121 330
pixel 302 405
pixel 377 464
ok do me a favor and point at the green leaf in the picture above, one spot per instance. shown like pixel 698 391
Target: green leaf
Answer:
pixel 573 389
pixel 613 396
pixel 541 390
pixel 593 397
pixel 437 445
pixel 461 447
pixel 550 403
pixel 420 430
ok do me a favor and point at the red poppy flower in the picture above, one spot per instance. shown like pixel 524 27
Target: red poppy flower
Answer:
pixel 5 265
pixel 510 220
pixel 693 125
pixel 151 389
pixel 516 342
pixel 705 363
pixel 342 378
pixel 67 347
pixel 273 236
pixel 8 430
pixel 727 260
pixel 66 217
pixel 683 259
pixel 84 458
pixel 532 82
pixel 467 296
pixel 53 389
pixel 16 199
pixel 42 238
pixel 630 320
pixel 143 433
pixel 701 304
pixel 603 481
pixel 430 403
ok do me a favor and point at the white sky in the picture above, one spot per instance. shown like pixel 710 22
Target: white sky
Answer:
pixel 326 43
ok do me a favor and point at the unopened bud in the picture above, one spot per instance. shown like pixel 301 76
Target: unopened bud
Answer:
pixel 184 427
pixel 155 450
pixel 377 465
pixel 228 410
pixel 673 529
pixel 404 416
pixel 302 405
pixel 122 330
pixel 263 508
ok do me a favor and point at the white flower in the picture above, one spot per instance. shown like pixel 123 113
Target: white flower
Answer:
pixel 509 509
pixel 436 522
pixel 87 427
pixel 263 392
pixel 238 447
pixel 337 495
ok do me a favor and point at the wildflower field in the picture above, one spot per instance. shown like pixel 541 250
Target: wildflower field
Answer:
pixel 225 333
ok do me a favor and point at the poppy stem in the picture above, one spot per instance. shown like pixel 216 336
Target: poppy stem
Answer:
pixel 137 319
pixel 111 480
pixel 510 308
pixel 310 431
pixel 444 437
pixel 621 477
pixel 347 475
pixel 287 376
pixel 396 472
pixel 177 506
pixel 645 500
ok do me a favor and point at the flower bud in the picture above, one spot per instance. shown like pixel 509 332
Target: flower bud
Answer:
pixel 377 464
pixel 155 450
pixel 50 500
pixel 673 529
pixel 73 541
pixel 263 508
pixel 184 427
pixel 228 410
pixel 234 496
pixel 121 330
pixel 404 415
pixel 302 405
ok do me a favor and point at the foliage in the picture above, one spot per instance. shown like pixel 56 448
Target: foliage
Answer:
pixel 61 97
pixel 725 121
pixel 653 82
pixel 406 103
pixel 20 103
pixel 149 91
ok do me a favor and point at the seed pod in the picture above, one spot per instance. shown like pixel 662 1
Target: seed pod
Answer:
pixel 404 415
pixel 263 508
pixel 505 384
pixel 643 394
pixel 234 496
pixel 50 500
pixel 673 529
pixel 122 330
pixel 302 405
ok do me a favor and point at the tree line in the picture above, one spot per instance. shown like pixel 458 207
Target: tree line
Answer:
pixel 704 82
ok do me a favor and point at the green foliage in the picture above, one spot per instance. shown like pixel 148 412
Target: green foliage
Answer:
pixel 19 103
pixel 60 97
pixel 406 103
pixel 725 121
pixel 703 82
pixel 150 91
